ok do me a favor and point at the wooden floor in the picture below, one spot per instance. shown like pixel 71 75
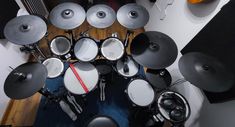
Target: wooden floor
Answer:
pixel 23 112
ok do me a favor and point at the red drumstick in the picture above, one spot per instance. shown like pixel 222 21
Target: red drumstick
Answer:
pixel 79 78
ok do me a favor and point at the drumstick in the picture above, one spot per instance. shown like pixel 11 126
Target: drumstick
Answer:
pixel 79 78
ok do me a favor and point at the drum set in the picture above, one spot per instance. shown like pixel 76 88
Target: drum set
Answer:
pixel 97 58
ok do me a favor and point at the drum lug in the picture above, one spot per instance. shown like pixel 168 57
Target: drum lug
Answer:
pixel 160 117
pixel 68 56
pixel 134 105
pixel 125 77
pixel 155 118
pixel 114 35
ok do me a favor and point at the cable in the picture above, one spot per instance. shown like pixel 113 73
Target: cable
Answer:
pixel 179 81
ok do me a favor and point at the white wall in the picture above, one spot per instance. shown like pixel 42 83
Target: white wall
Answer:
pixel 182 25
pixel 10 55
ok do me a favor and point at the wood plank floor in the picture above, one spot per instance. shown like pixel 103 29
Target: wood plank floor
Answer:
pixel 23 112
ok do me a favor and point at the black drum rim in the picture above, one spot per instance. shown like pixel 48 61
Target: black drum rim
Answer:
pixel 65 52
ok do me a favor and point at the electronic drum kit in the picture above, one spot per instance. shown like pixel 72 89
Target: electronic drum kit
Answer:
pixel 153 50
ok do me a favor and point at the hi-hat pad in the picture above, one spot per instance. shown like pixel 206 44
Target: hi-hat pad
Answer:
pixel 154 50
pixel 67 15
pixel 101 16
pixel 26 29
pixel 206 72
pixel 133 16
pixel 25 80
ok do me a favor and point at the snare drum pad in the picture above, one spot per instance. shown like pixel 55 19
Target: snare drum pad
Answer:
pixel 87 72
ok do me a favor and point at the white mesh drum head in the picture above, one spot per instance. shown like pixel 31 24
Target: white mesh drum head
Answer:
pixel 54 67
pixel 85 49
pixel 140 92
pixel 60 45
pixel 133 67
pixel 112 49
pixel 87 72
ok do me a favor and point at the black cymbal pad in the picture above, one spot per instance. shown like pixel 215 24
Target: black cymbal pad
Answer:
pixel 206 72
pixel 154 50
pixel 25 80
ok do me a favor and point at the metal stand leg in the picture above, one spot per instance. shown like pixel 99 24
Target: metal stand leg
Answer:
pixel 126 41
pixel 70 32
pixel 48 43
pixel 35 56
pixel 102 89
pixel 39 50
